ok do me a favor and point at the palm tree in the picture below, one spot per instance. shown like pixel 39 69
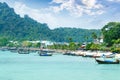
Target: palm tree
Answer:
pixel 94 36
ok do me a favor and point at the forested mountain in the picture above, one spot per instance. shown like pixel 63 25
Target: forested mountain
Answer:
pixel 77 34
pixel 14 27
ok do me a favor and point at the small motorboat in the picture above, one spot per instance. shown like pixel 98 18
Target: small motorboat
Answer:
pixel 104 61
pixel 70 53
pixel 23 51
pixel 45 53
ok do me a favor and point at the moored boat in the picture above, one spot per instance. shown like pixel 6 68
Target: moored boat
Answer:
pixel 107 61
pixel 44 53
pixel 23 51
pixel 70 53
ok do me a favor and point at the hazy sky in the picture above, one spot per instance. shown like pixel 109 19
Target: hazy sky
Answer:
pixel 89 14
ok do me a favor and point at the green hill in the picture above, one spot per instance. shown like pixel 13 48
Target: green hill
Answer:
pixel 14 27
pixel 77 34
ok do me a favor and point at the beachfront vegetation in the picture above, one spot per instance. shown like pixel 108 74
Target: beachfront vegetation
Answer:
pixel 70 46
pixel 30 44
pixel 111 37
pixel 93 46
pixel 3 41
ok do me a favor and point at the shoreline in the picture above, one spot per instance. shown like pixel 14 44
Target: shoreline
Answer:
pixel 84 53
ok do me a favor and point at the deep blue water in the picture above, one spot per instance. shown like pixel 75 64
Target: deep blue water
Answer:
pixel 15 66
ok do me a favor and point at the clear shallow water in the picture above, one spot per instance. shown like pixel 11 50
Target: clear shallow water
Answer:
pixel 15 66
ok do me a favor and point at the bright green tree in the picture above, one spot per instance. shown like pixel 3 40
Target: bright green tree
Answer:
pixel 3 41
pixel 95 47
pixel 26 44
pixel 72 46
pixel 111 32
pixel 94 36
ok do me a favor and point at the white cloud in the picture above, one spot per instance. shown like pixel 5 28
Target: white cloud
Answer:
pixel 89 7
pixel 59 1
pixel 91 4
pixel 37 14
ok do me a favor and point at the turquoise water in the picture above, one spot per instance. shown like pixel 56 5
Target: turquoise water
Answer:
pixel 15 66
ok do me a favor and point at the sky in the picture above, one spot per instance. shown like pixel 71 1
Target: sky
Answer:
pixel 87 14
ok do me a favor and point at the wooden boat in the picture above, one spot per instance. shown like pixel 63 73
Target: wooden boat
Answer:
pixel 23 51
pixel 13 49
pixel 87 56
pixel 107 61
pixel 45 53
pixel 70 53
pixel 4 49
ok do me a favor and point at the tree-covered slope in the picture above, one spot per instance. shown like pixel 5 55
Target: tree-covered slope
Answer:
pixel 14 27
pixel 77 34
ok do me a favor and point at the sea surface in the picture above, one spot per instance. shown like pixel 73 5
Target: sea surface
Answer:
pixel 14 66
